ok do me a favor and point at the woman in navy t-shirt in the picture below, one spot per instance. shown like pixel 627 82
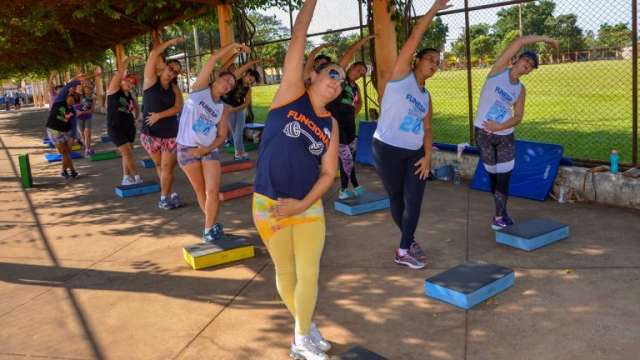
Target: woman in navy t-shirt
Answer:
pixel 297 164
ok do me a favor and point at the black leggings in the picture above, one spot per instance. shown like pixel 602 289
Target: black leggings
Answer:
pixel 396 168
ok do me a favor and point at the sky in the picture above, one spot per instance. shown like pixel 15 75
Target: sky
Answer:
pixel 336 14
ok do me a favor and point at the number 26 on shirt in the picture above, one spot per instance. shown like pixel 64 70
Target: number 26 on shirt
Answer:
pixel 411 124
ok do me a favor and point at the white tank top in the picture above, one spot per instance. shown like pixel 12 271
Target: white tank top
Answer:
pixel 404 106
pixel 496 100
pixel 199 119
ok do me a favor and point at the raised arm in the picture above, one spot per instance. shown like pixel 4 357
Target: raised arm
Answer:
pixel 156 40
pixel 512 50
pixel 402 66
pixel 121 68
pixel 150 76
pixel 352 50
pixel 203 77
pixel 228 63
pixel 292 84
pixel 308 66
pixel 62 95
pixel 243 69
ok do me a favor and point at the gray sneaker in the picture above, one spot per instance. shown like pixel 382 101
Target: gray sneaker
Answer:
pixel 306 351
pixel 416 251
pixel 175 200
pixel 409 260
pixel 317 339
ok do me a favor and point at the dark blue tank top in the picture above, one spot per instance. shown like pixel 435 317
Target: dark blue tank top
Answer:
pixel 157 99
pixel 293 142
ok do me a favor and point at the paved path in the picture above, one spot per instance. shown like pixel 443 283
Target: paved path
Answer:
pixel 86 275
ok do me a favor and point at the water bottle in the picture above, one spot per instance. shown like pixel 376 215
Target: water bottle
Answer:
pixel 614 157
pixel 456 175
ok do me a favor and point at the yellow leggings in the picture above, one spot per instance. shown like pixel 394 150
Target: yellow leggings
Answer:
pixel 295 245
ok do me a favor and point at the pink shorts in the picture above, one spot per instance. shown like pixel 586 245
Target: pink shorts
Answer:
pixel 154 145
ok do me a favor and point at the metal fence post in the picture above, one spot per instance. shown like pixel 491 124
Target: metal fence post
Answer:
pixel 634 80
pixel 467 51
pixel 364 79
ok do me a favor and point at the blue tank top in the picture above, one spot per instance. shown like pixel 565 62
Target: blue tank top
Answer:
pixel 293 142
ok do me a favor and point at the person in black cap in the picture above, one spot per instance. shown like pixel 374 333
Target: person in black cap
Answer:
pixel 500 109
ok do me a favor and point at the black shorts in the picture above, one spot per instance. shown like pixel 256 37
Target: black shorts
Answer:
pixel 122 134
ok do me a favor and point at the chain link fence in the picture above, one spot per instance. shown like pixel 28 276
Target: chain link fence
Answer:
pixel 581 97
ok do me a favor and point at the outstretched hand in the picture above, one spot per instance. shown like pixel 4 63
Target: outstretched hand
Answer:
pixel 178 40
pixel 238 47
pixel 551 42
pixel 442 4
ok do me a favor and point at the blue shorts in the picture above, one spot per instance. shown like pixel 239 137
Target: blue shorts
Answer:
pixel 185 158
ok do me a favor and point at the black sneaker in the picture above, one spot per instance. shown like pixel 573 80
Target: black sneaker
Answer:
pixel 74 174
pixel 64 174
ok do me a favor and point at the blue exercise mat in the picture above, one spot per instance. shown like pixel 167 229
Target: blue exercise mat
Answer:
pixel 474 151
pixel 534 173
pixel 365 138
pixel 58 157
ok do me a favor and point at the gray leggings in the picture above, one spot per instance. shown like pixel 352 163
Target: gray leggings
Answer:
pixel 497 153
pixel 236 125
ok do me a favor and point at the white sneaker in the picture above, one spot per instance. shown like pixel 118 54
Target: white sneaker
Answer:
pixel 138 179
pixel 317 339
pixel 127 180
pixel 306 351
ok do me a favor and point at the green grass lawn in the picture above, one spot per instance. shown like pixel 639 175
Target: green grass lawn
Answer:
pixel 586 107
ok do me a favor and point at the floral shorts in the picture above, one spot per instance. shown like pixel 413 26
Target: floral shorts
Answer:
pixel 59 137
pixel 154 145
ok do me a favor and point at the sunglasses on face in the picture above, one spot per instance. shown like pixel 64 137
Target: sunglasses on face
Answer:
pixel 174 71
pixel 335 75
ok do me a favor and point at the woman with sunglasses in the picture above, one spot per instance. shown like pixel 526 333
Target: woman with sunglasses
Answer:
pixel 161 103
pixel 402 141
pixel 344 109
pixel 122 112
pixel 297 164
pixel 203 128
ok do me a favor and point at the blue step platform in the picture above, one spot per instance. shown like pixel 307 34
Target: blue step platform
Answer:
pixel 125 191
pixel 147 163
pixel 360 205
pixel 105 138
pixel 469 284
pixel 532 234
pixel 58 157
pixel 358 353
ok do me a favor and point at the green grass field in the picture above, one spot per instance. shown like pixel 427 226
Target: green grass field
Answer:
pixel 586 107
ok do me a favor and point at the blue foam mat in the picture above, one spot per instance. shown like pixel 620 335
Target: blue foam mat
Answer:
pixel 364 154
pixel 566 161
pixel 535 170
pixel 58 157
